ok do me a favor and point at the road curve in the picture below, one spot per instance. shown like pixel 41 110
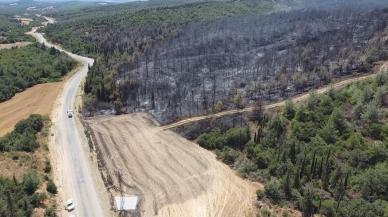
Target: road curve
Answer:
pixel 296 99
pixel 75 169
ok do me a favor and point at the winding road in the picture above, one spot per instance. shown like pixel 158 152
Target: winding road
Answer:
pixel 74 169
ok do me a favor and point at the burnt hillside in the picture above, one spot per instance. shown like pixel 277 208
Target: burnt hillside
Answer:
pixel 208 66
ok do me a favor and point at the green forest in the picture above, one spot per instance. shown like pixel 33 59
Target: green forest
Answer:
pixel 11 31
pixel 327 155
pixel 24 67
pixel 18 198
pixel 71 32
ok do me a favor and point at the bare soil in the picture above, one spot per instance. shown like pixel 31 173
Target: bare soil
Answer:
pixel 171 175
pixel 38 99
pixel 14 45
pixel 24 21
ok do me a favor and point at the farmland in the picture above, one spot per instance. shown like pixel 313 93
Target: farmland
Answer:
pixel 38 99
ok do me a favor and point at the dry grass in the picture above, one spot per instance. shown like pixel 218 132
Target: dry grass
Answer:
pixel 38 99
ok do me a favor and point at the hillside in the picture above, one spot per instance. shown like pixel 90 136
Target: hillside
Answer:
pixel 11 31
pixel 327 156
pixel 204 57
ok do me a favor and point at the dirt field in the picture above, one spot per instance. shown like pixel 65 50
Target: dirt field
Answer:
pixel 38 99
pixel 24 21
pixel 14 45
pixel 171 175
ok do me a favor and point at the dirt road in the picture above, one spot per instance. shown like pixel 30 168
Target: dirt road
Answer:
pixel 299 98
pixel 173 177
pixel 74 171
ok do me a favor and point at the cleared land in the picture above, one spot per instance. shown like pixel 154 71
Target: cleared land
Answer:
pixel 38 99
pixel 14 45
pixel 171 175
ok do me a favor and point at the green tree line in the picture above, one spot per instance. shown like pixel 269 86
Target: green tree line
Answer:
pixel 21 68
pixel 328 155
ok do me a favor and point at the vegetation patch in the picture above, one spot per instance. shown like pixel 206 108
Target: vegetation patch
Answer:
pixel 24 67
pixel 11 31
pixel 328 155
pixel 22 190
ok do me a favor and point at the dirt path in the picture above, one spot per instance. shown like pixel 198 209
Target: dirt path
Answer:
pixel 298 98
pixel 14 45
pixel 173 177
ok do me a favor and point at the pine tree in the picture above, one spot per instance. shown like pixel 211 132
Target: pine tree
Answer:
pixel 287 185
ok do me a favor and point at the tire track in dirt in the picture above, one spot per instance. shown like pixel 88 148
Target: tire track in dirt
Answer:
pixel 170 180
pixel 118 150
pixel 194 183
pixel 172 157
pixel 156 194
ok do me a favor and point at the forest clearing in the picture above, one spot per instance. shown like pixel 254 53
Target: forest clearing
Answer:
pixel 14 45
pixel 171 175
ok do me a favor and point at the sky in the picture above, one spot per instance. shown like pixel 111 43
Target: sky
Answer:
pixel 6 1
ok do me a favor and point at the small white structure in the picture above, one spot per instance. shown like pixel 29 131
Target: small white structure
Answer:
pixel 126 203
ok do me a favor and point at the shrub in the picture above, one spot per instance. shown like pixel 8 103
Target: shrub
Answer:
pixel 273 190
pixel 50 212
pixel 51 187
pixel 237 137
pixel 289 110
pixel 259 194
pixel 23 138
pixel 328 208
pixel 265 212
pixel 47 166
pixel 361 208
pixel 228 155
pixel 31 182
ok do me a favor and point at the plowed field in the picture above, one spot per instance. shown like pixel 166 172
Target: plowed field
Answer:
pixel 171 175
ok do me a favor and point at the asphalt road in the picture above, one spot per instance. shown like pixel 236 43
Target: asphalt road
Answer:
pixel 75 171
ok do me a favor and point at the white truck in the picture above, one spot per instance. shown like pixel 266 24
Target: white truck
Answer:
pixel 69 206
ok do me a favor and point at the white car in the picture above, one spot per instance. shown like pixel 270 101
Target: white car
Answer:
pixel 69 206
pixel 69 113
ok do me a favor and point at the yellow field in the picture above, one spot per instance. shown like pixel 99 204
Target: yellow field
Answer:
pixel 38 99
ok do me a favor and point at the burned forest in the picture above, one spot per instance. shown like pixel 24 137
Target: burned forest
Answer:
pixel 210 66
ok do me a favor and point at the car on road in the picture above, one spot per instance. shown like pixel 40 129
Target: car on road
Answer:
pixel 69 113
pixel 69 206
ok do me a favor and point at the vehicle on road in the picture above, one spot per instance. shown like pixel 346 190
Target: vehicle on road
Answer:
pixel 69 206
pixel 69 113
